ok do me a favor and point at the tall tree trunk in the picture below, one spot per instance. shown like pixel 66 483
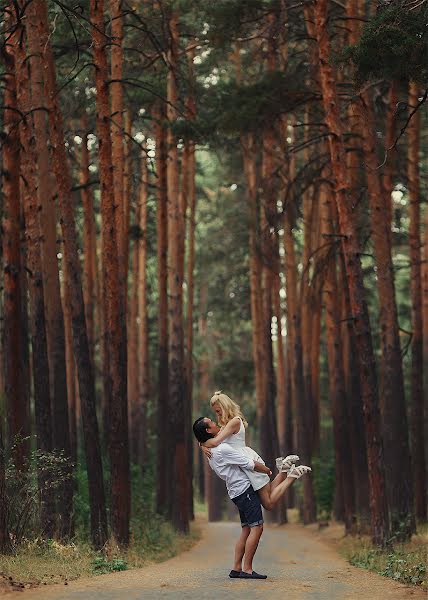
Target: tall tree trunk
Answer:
pixel 388 170
pixel 191 202
pixel 306 296
pixel 249 159
pixel 393 407
pixel 51 285
pixel 14 338
pixel 70 367
pixel 117 127
pixel 213 492
pixel 315 371
pixel 144 358
pixel 267 426
pixel 80 339
pixel 351 367
pixel 115 321
pixel 134 378
pixel 352 252
pixel 40 362
pixel 163 491
pixel 336 377
pixel 280 365
pixel 127 187
pixel 295 349
pixel 177 395
pixel 89 242
pixel 417 384
pixel 190 269
pixel 355 408
pixel 425 324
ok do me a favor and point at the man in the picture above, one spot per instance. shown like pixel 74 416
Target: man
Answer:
pixel 228 463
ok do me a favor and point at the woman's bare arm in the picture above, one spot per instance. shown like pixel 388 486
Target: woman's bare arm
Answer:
pixel 228 430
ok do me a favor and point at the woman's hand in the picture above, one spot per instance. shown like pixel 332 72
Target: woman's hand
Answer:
pixel 206 451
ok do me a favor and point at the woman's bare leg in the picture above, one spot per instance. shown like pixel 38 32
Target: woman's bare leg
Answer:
pixel 272 492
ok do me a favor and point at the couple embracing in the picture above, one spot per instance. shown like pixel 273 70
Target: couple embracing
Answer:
pixel 246 476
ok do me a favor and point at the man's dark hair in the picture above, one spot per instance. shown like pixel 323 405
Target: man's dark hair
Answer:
pixel 200 430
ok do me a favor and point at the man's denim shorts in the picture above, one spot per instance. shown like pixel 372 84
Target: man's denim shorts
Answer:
pixel 250 509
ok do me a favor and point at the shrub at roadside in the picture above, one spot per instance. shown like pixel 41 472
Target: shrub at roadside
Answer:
pixel 405 563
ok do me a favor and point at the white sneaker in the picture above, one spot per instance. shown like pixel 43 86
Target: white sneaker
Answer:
pixel 297 472
pixel 284 464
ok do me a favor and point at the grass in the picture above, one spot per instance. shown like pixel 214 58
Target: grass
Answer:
pixel 40 562
pixel 406 563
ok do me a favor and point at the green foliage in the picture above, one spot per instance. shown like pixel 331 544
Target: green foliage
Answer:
pixel 403 566
pixel 324 486
pixel 404 569
pixel 392 46
pixel 102 565
pixel 230 19
pixel 230 109
pixel 23 487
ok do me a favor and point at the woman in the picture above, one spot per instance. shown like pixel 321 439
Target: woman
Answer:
pixel 233 424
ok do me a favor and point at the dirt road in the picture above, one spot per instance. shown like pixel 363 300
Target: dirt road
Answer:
pixel 299 566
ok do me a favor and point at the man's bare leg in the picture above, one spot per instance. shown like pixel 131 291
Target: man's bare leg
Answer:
pixel 251 547
pixel 240 548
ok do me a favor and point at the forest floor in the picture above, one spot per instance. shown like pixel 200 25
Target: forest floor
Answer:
pixel 298 562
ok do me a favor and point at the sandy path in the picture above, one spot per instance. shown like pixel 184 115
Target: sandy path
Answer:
pixel 298 564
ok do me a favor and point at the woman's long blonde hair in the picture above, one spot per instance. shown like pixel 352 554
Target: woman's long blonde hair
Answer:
pixel 229 408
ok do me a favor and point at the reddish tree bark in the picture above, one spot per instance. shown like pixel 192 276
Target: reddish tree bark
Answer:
pixel 133 344
pixel 127 187
pixel 249 160
pixel 336 377
pixel 177 395
pixel 40 363
pixel 51 285
pixel 70 368
pixel 163 492
pixel 14 338
pixel 295 340
pixel 393 407
pixel 117 128
pixel 89 242
pixel 115 321
pixel 351 250
pixel 71 258
pixel 390 133
pixel 417 384
pixel 425 323
pixel 144 358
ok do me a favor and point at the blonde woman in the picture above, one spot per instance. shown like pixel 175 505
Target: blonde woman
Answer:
pixel 233 424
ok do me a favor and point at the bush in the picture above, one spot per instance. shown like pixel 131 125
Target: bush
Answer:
pixel 324 486
pixel 24 488
pixel 101 565
pixel 405 563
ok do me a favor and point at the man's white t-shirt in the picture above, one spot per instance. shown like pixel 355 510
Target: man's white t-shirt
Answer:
pixel 228 463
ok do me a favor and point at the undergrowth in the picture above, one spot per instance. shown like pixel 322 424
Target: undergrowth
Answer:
pixel 40 561
pixel 406 563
